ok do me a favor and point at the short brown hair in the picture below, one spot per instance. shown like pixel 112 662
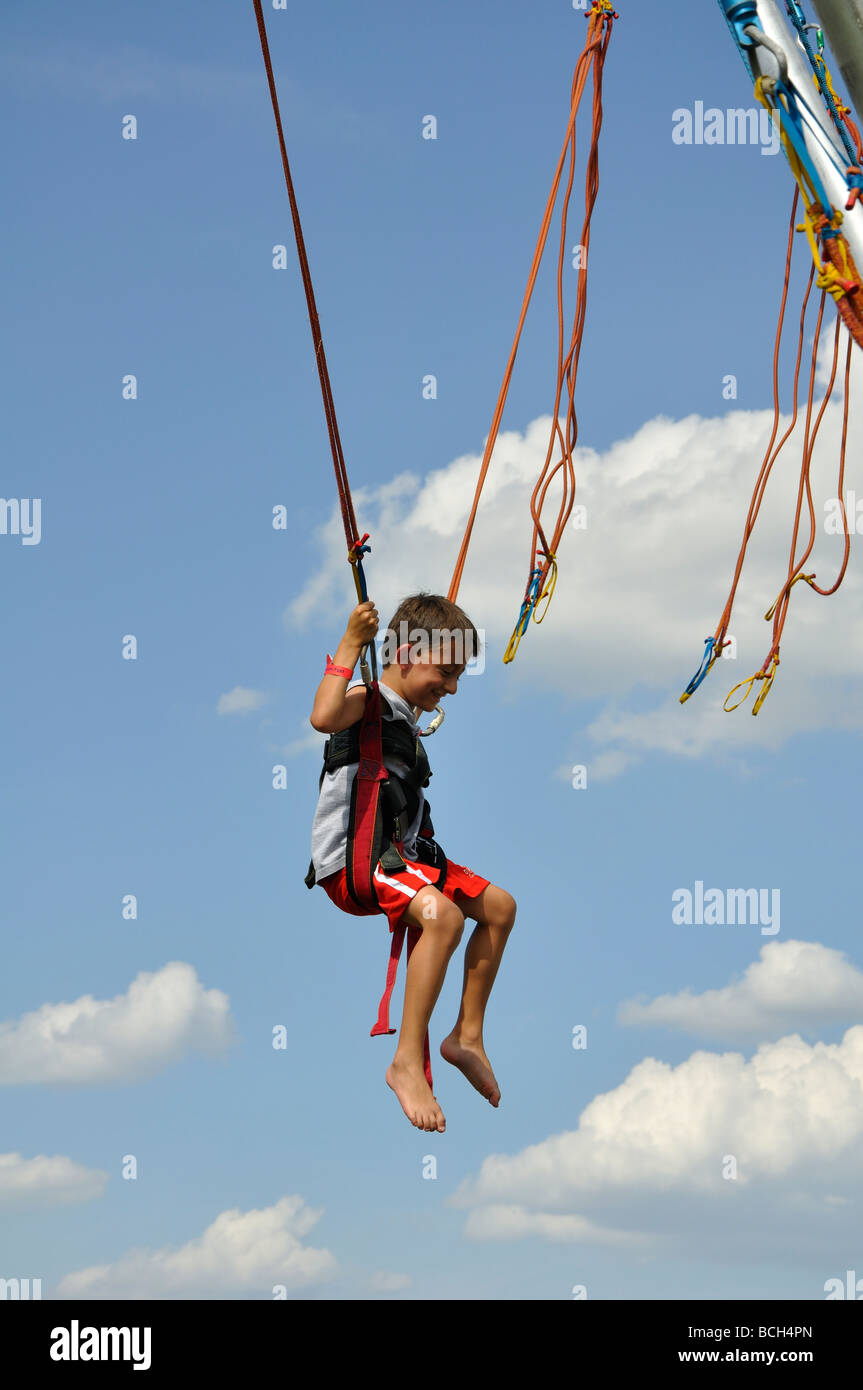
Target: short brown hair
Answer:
pixel 432 617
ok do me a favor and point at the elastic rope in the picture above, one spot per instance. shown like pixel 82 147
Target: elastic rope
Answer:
pixel 600 18
pixel 355 545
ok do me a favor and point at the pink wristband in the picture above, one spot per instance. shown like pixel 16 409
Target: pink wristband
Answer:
pixel 332 670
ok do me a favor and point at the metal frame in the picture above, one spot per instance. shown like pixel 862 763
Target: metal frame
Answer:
pixel 822 142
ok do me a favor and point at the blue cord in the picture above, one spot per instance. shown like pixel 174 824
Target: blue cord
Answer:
pixel 529 603
pixel 796 15
pixel 702 670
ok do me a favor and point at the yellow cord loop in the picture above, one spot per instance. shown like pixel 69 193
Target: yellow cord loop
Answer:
pixel 768 681
pixel 767 676
pixel 512 644
pixel 549 588
pixel 837 282
pixel 772 609
pixel 518 631
pixel 357 584
pixel 831 281
pixel 748 683
pixel 840 105
pixel 829 278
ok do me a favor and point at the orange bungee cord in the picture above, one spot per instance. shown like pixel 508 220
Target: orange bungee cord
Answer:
pixel 778 610
pixel 838 276
pixel 600 18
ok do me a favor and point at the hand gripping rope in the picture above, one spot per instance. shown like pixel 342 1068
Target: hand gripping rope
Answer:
pixel 370 771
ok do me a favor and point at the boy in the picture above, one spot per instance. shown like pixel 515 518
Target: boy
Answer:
pixel 410 682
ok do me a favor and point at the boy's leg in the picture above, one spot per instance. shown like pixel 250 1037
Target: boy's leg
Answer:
pixel 442 925
pixel 494 912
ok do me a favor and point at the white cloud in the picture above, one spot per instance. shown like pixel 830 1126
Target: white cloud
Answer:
pixel 648 1157
pixel 55 1181
pixel 639 589
pixel 314 739
pixel 602 767
pixel 162 1016
pixel 794 984
pixel 502 1222
pixel 240 700
pixel 240 1252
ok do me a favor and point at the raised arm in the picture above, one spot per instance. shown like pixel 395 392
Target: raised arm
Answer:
pixel 334 709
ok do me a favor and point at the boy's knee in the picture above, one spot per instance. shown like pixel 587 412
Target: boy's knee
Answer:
pixel 506 909
pixel 440 912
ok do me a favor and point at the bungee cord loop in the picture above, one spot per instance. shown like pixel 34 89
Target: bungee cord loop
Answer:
pixel 833 272
pixel 542 567
pixel 778 610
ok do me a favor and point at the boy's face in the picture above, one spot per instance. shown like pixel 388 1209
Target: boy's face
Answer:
pixel 427 679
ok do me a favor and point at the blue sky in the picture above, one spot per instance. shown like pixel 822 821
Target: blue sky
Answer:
pixel 154 777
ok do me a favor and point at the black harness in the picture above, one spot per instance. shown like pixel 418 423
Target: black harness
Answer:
pixel 399 800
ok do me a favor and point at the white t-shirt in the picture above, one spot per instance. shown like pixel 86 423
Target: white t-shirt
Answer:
pixel 330 826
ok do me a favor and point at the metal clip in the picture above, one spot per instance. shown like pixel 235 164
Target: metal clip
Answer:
pixel 759 38
pixel 435 724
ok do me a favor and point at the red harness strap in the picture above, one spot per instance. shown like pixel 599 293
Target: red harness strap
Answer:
pixel 362 856
pixel 383 1020
pixel 365 851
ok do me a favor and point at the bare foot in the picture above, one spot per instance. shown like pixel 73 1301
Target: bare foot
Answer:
pixel 417 1101
pixel 470 1058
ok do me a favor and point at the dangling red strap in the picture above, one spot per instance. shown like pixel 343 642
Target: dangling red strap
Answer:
pixel 383 1020
pixel 370 773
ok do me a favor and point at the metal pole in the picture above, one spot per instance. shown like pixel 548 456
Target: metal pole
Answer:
pixel 822 140
pixel 842 22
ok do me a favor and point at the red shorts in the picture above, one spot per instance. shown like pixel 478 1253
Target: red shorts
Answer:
pixel 394 891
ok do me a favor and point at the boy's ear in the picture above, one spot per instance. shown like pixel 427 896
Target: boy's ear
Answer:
pixel 402 656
